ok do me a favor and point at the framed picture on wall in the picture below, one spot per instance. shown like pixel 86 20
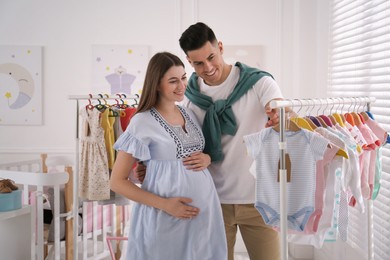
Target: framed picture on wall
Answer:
pixel 20 85
pixel 119 68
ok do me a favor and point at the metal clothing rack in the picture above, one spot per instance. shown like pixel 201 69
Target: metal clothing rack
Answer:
pixel 281 105
pixel 75 212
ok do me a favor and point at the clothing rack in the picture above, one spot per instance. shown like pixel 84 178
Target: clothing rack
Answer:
pixel 79 98
pixel 281 105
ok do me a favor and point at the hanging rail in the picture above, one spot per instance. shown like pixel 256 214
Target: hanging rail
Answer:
pixel 281 105
pixel 103 96
pixel 321 101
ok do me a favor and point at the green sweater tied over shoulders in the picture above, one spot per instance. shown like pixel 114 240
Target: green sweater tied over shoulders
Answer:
pixel 219 118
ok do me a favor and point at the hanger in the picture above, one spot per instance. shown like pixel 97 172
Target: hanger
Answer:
pixel 326 120
pixel 322 122
pixel 300 121
pixel 290 125
pixel 100 106
pixel 117 105
pixel 315 121
pixel 341 152
pixel 348 117
pixel 370 115
pixel 119 111
pixel 105 101
pixel 338 117
pixel 89 106
pixel 311 123
pixel 360 114
pixel 112 112
pixel 356 118
pixel 351 117
pixel 365 115
pixel 361 118
pixel 136 101
pixel 332 119
pixel 120 107
pixel 123 105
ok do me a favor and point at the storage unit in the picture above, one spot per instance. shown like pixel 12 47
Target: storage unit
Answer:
pixel 15 233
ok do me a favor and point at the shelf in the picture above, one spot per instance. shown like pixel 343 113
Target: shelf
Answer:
pixel 15 213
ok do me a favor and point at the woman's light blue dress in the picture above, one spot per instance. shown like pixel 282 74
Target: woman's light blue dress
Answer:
pixel 154 234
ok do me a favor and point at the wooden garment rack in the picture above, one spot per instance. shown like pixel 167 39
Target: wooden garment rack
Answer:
pixel 281 105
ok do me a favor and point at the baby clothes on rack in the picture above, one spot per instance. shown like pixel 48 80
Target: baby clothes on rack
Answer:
pixel 93 162
pixel 375 174
pixel 122 120
pixel 125 120
pixel 329 175
pixel 120 125
pixel 348 182
pixel 114 119
pixel 304 148
pixel 107 121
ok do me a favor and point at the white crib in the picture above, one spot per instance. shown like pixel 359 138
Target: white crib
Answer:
pixel 99 222
pixel 33 185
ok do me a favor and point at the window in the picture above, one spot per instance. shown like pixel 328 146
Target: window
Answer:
pixel 359 65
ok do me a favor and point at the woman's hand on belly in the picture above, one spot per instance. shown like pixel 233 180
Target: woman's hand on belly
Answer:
pixel 197 161
pixel 179 208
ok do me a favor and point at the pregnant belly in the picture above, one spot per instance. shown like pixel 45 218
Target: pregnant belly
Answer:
pixel 172 179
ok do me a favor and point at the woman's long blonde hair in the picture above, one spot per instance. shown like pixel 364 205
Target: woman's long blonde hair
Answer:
pixel 158 65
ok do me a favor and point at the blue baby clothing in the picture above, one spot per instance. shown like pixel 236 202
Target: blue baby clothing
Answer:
pixel 305 148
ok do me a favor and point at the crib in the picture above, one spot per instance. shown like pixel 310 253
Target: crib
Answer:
pixel 33 185
pixel 102 225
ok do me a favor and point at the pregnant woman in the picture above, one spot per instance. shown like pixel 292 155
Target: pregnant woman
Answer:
pixel 178 213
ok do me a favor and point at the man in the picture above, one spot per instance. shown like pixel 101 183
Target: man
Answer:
pixel 231 101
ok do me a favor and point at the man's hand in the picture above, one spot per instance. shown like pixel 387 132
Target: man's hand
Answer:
pixel 273 116
pixel 140 172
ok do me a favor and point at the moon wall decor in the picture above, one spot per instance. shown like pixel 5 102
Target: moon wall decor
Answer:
pixel 20 85
pixel 24 81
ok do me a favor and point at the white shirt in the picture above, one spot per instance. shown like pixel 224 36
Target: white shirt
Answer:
pixel 234 183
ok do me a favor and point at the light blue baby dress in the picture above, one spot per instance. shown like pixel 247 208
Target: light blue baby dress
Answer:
pixel 154 234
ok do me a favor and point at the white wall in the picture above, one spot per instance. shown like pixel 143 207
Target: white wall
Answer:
pixel 66 30
pixel 291 33
pixel 304 46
